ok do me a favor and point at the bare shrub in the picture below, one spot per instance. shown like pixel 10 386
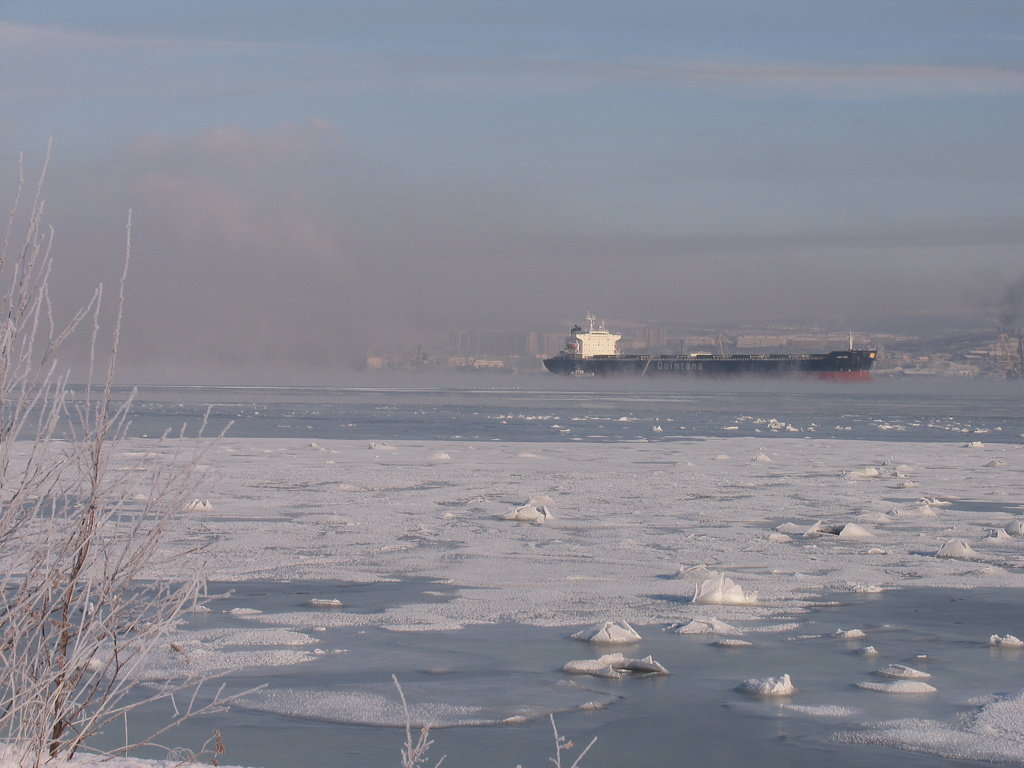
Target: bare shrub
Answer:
pixel 80 536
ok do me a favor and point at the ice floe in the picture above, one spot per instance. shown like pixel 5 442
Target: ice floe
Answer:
pixel 768 686
pixel 719 589
pixel 1005 641
pixel 849 634
pixel 956 549
pixel 324 602
pixel 865 473
pixel 898 686
pixel 198 505
pixel 614 665
pixel 846 531
pixel 903 672
pixel 993 733
pixel 702 626
pixel 609 633
pixel 529 513
pixel 1015 527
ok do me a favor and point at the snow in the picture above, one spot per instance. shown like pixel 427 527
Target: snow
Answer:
pixel 628 515
pixel 993 733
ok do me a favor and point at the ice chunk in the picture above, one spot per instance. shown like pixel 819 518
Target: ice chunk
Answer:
pixel 903 671
pixel 854 531
pixel 198 505
pixel 762 457
pixel 898 686
pixel 868 650
pixel 609 632
pixel 863 474
pixel 907 484
pixel 778 538
pixel 1015 527
pixel 699 626
pixel 719 589
pixel 849 634
pixel 974 444
pixel 605 666
pixel 645 666
pixel 996 463
pixel 1006 641
pixel 956 549
pixel 528 513
pixel 324 602
pixel 731 642
pixel 768 686
pixel 867 589
pixel 850 531
pixel 998 533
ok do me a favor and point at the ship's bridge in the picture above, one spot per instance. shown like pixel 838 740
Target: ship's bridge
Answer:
pixel 595 341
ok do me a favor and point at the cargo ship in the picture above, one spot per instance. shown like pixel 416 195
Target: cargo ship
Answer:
pixel 594 352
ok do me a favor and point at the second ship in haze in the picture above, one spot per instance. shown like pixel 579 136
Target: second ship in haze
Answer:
pixel 594 352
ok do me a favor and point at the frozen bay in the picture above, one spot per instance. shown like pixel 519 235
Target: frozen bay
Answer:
pixel 402 523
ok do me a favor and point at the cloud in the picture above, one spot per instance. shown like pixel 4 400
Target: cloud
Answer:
pixel 539 75
pixel 42 39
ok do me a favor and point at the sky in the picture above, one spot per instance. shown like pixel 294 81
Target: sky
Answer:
pixel 310 179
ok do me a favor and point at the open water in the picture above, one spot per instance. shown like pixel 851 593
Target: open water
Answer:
pixel 597 410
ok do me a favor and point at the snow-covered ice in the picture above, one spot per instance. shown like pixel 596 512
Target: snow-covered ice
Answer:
pixel 628 514
pixel 719 589
pixel 609 633
pixel 899 686
pixel 768 686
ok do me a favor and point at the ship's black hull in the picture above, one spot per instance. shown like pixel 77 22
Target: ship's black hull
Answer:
pixel 850 364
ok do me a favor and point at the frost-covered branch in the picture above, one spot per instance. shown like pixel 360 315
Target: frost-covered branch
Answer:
pixel 81 612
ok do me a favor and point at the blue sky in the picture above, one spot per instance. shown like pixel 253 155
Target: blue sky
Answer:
pixel 393 166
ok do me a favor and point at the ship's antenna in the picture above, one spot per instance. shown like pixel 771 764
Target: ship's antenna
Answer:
pixel 591 319
pixel 851 341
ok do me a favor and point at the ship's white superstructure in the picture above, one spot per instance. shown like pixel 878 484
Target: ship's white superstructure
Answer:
pixel 597 340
